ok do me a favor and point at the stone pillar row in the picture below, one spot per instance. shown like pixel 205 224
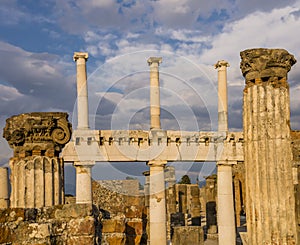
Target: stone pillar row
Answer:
pixel 37 182
pixel 270 203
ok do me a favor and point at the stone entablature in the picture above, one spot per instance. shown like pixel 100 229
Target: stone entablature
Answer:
pixel 39 133
pixel 138 145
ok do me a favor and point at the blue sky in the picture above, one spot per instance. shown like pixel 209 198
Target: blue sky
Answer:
pixel 38 38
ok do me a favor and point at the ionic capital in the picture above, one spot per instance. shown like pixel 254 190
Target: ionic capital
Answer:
pixel 154 60
pixel 226 163
pixel 78 55
pixel 87 164
pixel 221 63
pixel 157 163
pixel 146 173
pixel 38 133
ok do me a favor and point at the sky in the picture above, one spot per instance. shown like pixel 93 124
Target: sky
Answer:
pixel 37 72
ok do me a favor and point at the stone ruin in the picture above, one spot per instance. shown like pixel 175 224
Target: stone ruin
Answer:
pixel 36 168
pixel 257 170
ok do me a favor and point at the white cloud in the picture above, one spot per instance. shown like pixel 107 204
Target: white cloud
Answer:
pixel 116 32
pixel 9 93
pixel 34 78
pixel 260 29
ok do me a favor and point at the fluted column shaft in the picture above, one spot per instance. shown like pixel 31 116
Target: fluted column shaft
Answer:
pixel 4 199
pixel 270 205
pixel 82 91
pixel 154 92
pixel 37 182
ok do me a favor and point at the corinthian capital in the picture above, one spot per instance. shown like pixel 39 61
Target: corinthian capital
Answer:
pixel 263 63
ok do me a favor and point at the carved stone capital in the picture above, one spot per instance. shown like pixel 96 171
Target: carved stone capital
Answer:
pixel 226 163
pixel 39 133
pixel 154 60
pixel 157 163
pixel 263 63
pixel 78 55
pixel 221 63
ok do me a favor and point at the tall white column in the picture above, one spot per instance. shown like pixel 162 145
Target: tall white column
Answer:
pixel 82 92
pixel 4 199
pixel 147 201
pixel 147 187
pixel 158 227
pixel 226 223
pixel 154 92
pixel 222 95
pixel 84 181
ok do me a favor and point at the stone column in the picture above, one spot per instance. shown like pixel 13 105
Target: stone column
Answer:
pixel 226 217
pixel 270 203
pixel 147 200
pixel 158 229
pixel 82 92
pixel 147 187
pixel 226 224
pixel 170 177
pixel 4 199
pixel 238 204
pixel 84 181
pixel 222 95
pixel 154 92
pixel 36 169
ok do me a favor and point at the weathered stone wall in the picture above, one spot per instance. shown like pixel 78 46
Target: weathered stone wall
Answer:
pixel 183 198
pixel 209 203
pixel 124 217
pixel 128 187
pixel 188 235
pixel 61 224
